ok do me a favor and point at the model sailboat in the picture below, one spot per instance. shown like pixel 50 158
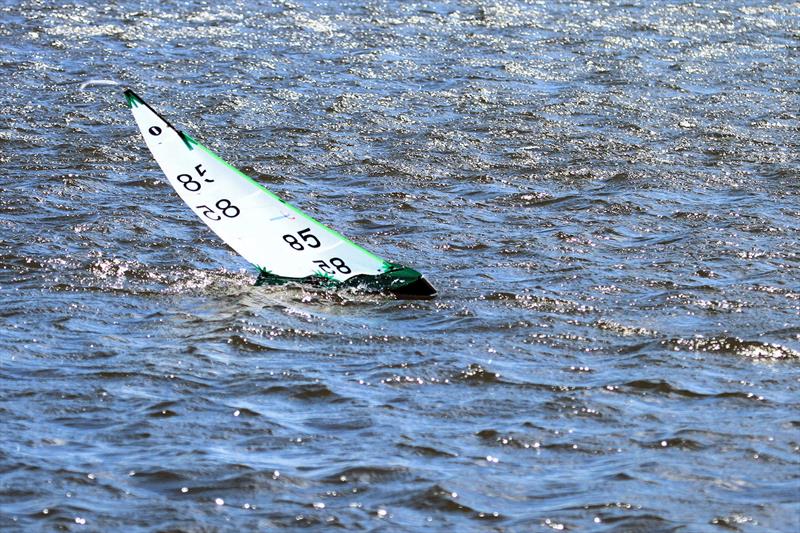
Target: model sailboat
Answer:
pixel 284 243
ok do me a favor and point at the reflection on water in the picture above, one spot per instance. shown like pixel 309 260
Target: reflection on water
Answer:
pixel 606 197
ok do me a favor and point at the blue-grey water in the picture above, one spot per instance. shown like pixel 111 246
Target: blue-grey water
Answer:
pixel 606 195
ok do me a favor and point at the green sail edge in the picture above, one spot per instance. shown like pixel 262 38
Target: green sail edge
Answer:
pixel 132 99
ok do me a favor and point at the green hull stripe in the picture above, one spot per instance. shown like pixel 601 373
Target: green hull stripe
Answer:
pixel 394 279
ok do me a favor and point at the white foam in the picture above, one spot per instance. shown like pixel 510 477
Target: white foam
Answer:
pixel 99 83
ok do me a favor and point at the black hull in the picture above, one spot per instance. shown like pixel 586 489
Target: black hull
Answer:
pixel 417 290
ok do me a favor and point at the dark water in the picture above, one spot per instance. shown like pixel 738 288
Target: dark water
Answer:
pixel 607 197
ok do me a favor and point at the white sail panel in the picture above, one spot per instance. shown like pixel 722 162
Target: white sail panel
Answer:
pixel 273 235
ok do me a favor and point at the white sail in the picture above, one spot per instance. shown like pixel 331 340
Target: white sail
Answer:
pixel 273 235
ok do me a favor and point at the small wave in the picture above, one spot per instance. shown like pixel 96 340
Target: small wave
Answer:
pixel 426 451
pixel 475 374
pixel 248 345
pixel 313 391
pixel 659 386
pixel 305 391
pixel 735 346
pixel 676 443
pixel 621 329
pixel 494 437
pixel 441 499
pixel 368 474
pixel 535 302
pixel 530 199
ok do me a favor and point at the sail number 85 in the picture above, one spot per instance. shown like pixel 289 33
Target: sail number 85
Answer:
pixel 308 238
pixel 311 241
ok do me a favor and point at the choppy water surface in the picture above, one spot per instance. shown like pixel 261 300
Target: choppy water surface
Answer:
pixel 607 197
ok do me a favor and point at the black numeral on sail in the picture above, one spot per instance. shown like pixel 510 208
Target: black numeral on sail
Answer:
pixel 202 172
pixel 337 263
pixel 340 266
pixel 311 241
pixel 189 182
pixel 228 210
pixel 292 241
pixel 305 234
pixel 209 213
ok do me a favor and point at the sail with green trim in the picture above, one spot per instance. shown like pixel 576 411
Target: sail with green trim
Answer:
pixel 282 241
